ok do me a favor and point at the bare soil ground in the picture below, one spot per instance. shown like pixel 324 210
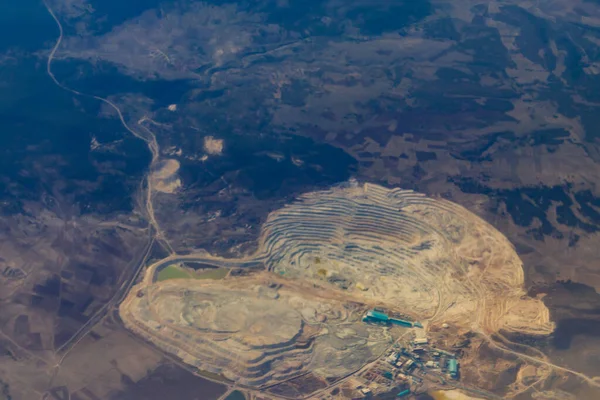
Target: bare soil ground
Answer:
pixel 256 330
pixel 164 177
pixel 329 256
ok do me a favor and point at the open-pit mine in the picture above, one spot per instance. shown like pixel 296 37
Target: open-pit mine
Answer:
pixel 295 308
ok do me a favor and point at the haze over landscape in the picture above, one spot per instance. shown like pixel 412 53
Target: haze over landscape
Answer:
pixel 300 199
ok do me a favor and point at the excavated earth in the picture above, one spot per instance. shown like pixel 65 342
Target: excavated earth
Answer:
pixel 329 256
pixel 427 257
pixel 255 331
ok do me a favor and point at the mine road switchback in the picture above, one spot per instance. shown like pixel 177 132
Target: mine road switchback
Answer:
pixel 352 247
pixel 357 244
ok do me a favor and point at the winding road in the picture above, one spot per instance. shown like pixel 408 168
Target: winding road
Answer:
pixel 156 236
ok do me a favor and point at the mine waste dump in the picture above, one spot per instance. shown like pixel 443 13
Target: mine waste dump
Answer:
pixel 330 257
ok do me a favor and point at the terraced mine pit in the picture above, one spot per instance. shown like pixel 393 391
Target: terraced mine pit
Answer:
pixel 427 257
pixel 255 331
pixel 328 258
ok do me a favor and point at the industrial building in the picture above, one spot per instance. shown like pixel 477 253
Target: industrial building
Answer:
pixel 453 368
pixel 378 317
pixel 401 322
pixel 410 366
pixel 393 358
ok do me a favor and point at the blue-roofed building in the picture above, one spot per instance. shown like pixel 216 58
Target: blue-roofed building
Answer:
pixel 376 317
pixel 401 322
pixel 453 367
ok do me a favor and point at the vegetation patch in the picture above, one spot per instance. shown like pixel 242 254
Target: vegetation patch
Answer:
pixel 178 272
pixel 172 272
pixel 217 273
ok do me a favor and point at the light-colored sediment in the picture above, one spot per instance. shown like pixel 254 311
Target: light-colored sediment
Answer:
pixel 213 146
pixel 164 177
pixel 329 256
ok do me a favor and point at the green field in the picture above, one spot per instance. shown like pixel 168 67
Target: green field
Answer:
pixel 178 272
pixel 172 272
pixel 218 273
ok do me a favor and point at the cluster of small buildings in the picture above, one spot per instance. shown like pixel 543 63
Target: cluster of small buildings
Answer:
pixel 409 365
pixel 419 353
pixel 389 374
pixel 430 358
